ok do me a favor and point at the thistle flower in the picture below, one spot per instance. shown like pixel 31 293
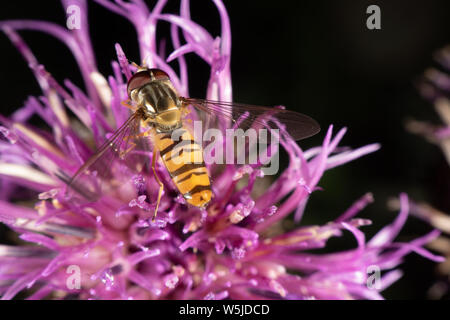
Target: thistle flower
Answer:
pixel 436 88
pixel 111 250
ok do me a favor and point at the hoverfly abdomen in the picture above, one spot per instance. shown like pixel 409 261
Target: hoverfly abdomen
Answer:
pixel 183 159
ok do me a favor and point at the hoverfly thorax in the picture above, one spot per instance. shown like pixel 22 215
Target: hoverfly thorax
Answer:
pixel 154 94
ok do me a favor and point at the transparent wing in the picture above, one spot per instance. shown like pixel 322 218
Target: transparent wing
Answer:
pixel 126 153
pixel 298 125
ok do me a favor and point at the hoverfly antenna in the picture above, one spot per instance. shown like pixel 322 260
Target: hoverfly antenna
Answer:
pixel 138 67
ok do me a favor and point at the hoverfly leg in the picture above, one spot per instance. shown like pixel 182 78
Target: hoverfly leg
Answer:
pixel 185 111
pixel 142 134
pixel 130 148
pixel 161 185
pixel 146 132
pixel 127 104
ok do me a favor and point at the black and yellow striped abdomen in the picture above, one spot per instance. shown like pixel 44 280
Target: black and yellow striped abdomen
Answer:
pixel 183 158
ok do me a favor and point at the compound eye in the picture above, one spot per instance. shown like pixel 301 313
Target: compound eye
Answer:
pixel 159 74
pixel 138 80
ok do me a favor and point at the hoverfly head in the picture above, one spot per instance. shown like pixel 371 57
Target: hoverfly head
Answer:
pixel 151 89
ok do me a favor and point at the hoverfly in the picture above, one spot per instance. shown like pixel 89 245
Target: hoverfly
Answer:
pixel 158 110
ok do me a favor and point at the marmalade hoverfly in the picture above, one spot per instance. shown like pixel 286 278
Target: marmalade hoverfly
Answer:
pixel 158 110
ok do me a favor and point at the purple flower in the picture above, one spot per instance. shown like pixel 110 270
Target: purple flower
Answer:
pixel 436 88
pixel 110 249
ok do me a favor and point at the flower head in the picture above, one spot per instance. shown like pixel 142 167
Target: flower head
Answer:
pixel 110 249
pixel 436 88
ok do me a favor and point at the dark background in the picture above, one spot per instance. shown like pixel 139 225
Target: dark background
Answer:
pixel 313 56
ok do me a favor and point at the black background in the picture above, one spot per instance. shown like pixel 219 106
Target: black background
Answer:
pixel 316 57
